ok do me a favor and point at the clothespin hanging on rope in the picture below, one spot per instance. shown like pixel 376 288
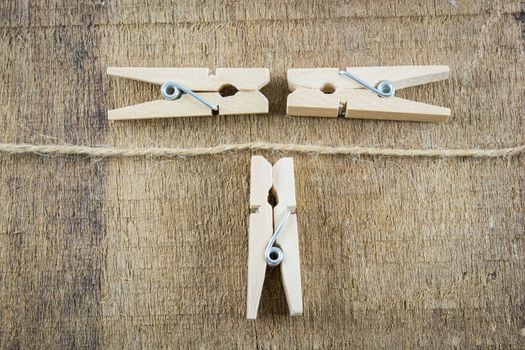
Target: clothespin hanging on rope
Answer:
pixel 273 236
pixel 189 92
pixel 363 93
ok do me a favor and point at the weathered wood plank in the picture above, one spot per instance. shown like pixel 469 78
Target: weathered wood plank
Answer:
pixel 395 253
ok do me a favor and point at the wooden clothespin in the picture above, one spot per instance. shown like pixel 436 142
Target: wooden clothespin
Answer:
pixel 263 219
pixel 192 92
pixel 363 93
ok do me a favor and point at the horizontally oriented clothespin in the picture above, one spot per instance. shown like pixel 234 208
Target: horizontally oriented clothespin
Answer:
pixel 363 92
pixel 191 92
pixel 273 236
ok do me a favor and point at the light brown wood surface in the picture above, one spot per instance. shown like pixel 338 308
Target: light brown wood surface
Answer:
pixel 197 79
pixel 288 239
pixel 247 100
pixel 323 92
pixel 400 76
pixel 365 105
pixel 260 230
pixel 361 104
pixel 243 102
pixel 139 253
pixel 280 180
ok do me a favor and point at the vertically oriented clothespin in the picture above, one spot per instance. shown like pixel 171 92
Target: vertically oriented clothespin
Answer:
pixel 190 92
pixel 273 236
pixel 363 93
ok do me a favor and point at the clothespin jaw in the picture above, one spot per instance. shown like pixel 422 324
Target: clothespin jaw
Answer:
pixel 216 90
pixel 263 221
pixel 325 92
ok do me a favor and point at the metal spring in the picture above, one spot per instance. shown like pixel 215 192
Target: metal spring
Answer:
pixel 274 255
pixel 384 88
pixel 173 91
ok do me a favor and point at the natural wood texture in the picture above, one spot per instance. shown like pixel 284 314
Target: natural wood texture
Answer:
pixel 313 103
pixel 288 240
pixel 197 79
pixel 245 101
pixel 148 253
pixel 401 76
pixel 323 92
pixel 260 231
pixel 280 179
pixel 361 104
pixel 365 105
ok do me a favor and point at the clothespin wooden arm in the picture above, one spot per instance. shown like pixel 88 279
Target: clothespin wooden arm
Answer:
pixel 197 79
pixel 400 76
pixel 288 240
pixel 361 104
pixel 243 102
pixel 260 231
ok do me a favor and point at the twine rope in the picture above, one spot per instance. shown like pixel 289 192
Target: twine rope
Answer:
pixel 155 152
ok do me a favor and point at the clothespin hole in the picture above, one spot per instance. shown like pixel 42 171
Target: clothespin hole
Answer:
pixel 272 198
pixel 228 90
pixel 328 88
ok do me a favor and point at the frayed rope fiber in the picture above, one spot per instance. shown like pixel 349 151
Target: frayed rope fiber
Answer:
pixel 153 152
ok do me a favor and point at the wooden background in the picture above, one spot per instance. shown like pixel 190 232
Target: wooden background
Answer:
pixel 396 253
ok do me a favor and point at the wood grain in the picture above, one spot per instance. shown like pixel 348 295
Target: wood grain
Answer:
pixel 400 76
pixel 242 103
pixel 324 92
pixel 197 79
pixel 288 240
pixel 260 230
pixel 146 253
